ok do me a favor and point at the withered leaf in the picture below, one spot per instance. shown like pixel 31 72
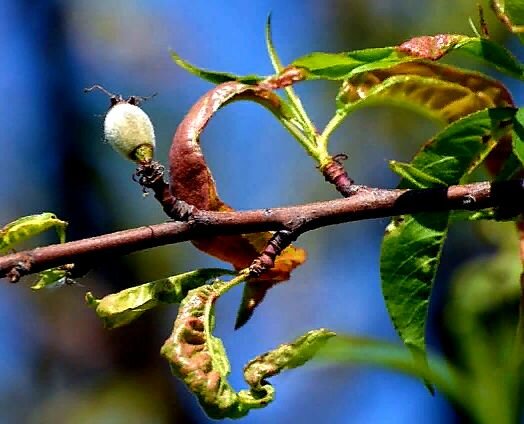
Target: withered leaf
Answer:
pixel 192 181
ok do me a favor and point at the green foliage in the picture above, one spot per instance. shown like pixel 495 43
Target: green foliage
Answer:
pixel 51 278
pixel 28 227
pixel 216 77
pixel 414 176
pixel 413 243
pixel 340 66
pixel 121 308
pixel 479 118
pixel 511 14
pixel 518 135
pixel 358 350
pixel 437 91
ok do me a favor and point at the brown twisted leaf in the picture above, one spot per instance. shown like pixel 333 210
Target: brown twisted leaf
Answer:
pixel 199 358
pixel 192 181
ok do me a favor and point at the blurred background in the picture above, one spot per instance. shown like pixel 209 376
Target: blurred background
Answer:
pixel 57 362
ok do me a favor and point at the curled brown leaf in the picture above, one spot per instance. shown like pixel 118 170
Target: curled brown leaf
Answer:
pixel 191 181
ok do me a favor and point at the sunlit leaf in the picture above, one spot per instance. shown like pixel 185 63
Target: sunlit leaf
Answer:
pixel 441 92
pixel 200 360
pixel 215 77
pixel 30 226
pixel 121 308
pixel 412 244
pixel 53 278
pixel 341 66
pixel 518 135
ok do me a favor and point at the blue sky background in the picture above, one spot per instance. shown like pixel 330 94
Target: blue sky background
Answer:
pixel 55 359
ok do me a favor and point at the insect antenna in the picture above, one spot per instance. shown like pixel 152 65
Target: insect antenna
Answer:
pixel 136 100
pixel 115 98
pixel 99 87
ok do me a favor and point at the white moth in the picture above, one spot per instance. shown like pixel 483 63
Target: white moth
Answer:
pixel 127 128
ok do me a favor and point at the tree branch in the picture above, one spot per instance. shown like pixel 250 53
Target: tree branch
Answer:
pixel 365 203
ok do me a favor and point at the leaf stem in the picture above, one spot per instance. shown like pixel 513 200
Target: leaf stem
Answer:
pixel 294 101
pixel 331 126
pixel 309 144
pixel 240 278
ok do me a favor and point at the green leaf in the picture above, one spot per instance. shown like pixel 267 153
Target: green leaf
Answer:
pixel 357 350
pixel 492 54
pixel 121 308
pixel 463 145
pixel 511 14
pixel 412 244
pixel 200 360
pixel 273 56
pixel 518 135
pixel 407 275
pixel 481 317
pixel 414 176
pixel 284 357
pixel 512 166
pixel 515 11
pixel 484 285
pixel 339 66
pixel 216 77
pixel 30 226
pixel 52 278
pixel 482 215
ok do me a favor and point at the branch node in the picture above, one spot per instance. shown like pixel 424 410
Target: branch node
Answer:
pixel 181 211
pixel 21 268
pixel 335 173
pixel 150 175
pixel 266 260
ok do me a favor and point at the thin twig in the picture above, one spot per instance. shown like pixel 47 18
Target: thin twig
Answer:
pixel 366 203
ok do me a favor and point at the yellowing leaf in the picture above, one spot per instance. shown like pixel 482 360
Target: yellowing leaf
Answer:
pixel 118 309
pixel 441 92
pixel 29 226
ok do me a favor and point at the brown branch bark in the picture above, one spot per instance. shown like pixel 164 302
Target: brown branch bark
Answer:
pixel 365 203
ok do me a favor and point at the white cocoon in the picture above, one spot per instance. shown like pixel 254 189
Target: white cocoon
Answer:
pixel 126 127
